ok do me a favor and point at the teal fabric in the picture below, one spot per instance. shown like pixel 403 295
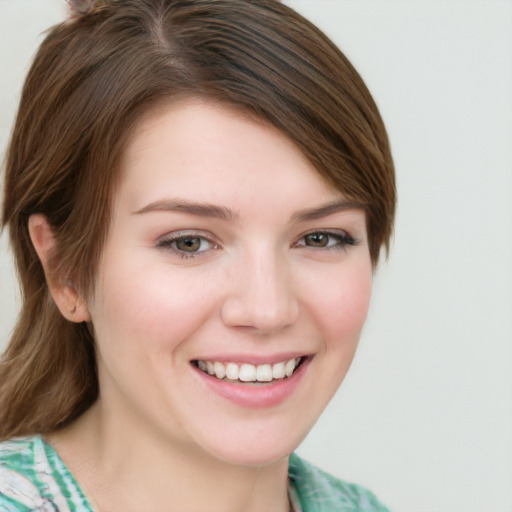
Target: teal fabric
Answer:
pixel 34 479
pixel 318 491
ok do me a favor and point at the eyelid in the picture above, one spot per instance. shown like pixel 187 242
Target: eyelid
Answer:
pixel 344 238
pixel 165 242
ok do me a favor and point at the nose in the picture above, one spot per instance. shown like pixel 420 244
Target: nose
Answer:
pixel 260 294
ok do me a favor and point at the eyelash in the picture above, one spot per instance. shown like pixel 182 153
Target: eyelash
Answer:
pixel 341 238
pixel 341 241
pixel 168 243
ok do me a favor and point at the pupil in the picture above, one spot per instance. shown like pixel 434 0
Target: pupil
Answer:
pixel 317 239
pixel 188 244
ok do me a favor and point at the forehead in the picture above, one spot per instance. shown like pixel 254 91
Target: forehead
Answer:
pixel 210 151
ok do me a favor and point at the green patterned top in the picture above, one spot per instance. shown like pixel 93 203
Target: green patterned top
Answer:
pixel 33 478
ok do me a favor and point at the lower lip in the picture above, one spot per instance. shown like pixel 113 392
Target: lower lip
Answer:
pixel 256 395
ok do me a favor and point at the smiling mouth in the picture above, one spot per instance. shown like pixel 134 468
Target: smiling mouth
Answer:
pixel 243 372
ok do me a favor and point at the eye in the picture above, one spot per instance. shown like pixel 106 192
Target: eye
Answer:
pixel 326 240
pixel 186 245
pixel 191 244
pixel 317 240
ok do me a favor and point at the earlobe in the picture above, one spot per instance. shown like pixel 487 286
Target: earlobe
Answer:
pixel 64 294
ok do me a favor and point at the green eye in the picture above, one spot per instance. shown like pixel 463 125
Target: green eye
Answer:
pixel 326 240
pixel 185 245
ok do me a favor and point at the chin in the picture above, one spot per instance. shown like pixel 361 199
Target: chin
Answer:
pixel 258 448
pixel 254 457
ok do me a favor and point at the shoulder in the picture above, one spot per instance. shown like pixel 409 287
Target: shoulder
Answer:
pixel 22 470
pixel 18 488
pixel 32 477
pixel 318 491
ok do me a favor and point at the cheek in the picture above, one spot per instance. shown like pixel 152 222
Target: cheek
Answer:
pixel 341 305
pixel 152 309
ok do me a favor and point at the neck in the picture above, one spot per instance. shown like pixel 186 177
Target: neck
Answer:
pixel 134 469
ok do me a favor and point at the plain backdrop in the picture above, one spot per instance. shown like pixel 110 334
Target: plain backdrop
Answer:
pixel 425 416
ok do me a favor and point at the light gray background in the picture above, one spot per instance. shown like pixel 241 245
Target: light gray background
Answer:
pixel 425 416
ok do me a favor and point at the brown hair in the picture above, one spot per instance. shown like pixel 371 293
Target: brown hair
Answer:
pixel 90 82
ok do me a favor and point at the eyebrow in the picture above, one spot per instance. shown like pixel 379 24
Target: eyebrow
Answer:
pixel 224 213
pixel 190 207
pixel 326 210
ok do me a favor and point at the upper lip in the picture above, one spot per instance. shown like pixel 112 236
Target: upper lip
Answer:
pixel 255 359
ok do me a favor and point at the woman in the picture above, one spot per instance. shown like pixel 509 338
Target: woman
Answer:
pixel 197 192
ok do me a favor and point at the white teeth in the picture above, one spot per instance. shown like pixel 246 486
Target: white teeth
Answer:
pixel 264 373
pixel 220 370
pixel 289 367
pixel 232 371
pixel 249 372
pixel 278 371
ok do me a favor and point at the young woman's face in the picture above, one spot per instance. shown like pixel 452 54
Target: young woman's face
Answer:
pixel 227 254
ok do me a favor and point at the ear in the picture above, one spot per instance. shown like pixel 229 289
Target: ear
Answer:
pixel 67 299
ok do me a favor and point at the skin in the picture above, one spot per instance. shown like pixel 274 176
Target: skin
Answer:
pixel 257 286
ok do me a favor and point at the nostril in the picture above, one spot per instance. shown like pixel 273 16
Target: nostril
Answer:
pixel 260 318
pixel 261 294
